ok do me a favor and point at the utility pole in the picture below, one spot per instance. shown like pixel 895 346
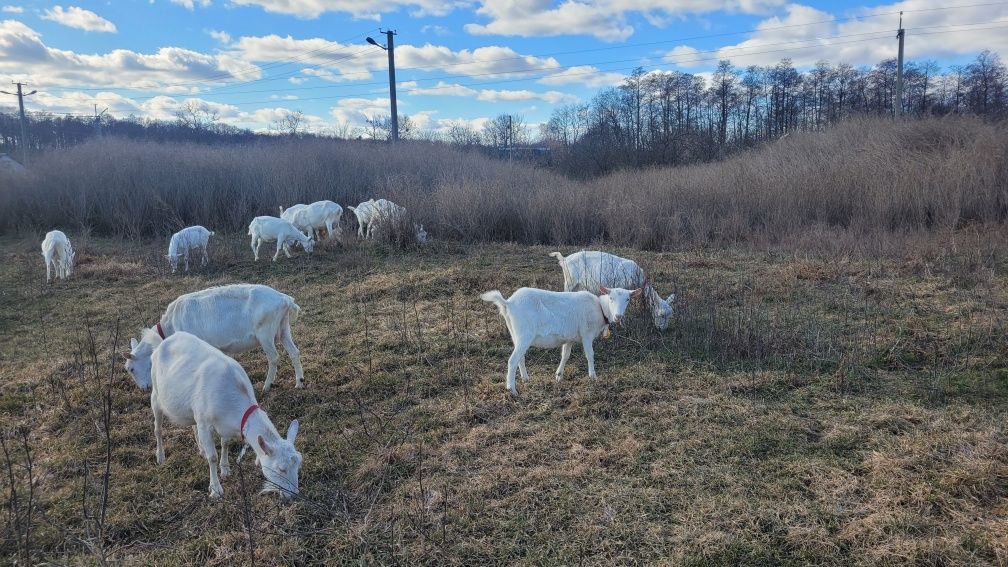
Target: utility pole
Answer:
pixel 97 121
pixel 24 128
pixel 391 84
pixel 899 68
pixel 390 48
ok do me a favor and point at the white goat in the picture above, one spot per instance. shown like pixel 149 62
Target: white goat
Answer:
pixel 363 212
pixel 189 238
pixel 379 214
pixel 194 384
pixel 269 229
pixel 550 319
pixel 234 318
pixel 312 219
pixel 591 270
pixel 58 255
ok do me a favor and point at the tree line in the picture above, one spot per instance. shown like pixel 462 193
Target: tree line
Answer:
pixel 653 118
pixel 672 117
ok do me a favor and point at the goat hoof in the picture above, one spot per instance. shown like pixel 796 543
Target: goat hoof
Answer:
pixel 216 492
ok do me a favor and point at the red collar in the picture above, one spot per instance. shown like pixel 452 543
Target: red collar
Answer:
pixel 160 331
pixel 245 417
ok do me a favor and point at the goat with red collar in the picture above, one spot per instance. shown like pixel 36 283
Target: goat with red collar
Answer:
pixel 549 319
pixel 195 384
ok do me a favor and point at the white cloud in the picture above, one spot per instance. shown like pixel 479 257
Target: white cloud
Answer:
pixel 489 61
pixel 807 35
pixel 221 36
pixel 552 97
pixel 444 89
pixel 356 111
pixel 349 61
pixel 434 29
pixel 488 95
pixel 311 9
pixel 606 21
pixel 79 18
pixel 190 4
pixel 22 47
pixel 12 9
pixel 584 75
pixel 352 62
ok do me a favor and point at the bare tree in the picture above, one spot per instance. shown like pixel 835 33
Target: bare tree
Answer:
pixel 290 123
pixel 197 115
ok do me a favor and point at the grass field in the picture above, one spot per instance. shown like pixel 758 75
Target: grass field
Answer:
pixel 800 409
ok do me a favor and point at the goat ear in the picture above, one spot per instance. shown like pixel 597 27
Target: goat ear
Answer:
pixel 264 446
pixel 603 290
pixel 133 343
pixel 635 292
pixel 671 298
pixel 292 431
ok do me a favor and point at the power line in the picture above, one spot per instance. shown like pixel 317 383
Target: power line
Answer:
pixel 737 52
pixel 307 55
pixel 642 66
pixel 723 52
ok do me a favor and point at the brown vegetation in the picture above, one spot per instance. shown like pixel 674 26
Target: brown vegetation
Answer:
pixel 801 409
pixel 856 186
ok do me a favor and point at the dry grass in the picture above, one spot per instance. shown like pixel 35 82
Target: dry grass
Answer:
pixel 801 409
pixel 865 186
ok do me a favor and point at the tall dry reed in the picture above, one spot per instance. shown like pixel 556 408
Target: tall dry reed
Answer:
pixel 860 179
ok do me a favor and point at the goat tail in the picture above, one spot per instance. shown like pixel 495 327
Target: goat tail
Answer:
pixel 281 210
pixel 497 299
pixel 566 270
pixel 351 208
pixel 212 233
pixel 293 311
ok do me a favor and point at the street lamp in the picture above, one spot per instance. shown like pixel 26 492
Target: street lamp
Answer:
pixel 390 48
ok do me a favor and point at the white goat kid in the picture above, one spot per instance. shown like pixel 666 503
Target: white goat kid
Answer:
pixel 590 270
pixel 194 384
pixel 58 255
pixel 189 238
pixel 234 318
pixel 549 319
pixel 270 229
pixel 314 218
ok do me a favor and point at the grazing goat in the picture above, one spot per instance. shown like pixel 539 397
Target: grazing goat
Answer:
pixel 548 319
pixel 314 218
pixel 194 384
pixel 363 212
pixel 591 270
pixel 376 215
pixel 269 229
pixel 189 238
pixel 234 318
pixel 58 255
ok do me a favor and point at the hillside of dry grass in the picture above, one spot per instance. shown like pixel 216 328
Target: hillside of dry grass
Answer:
pixel 859 185
pixel 801 409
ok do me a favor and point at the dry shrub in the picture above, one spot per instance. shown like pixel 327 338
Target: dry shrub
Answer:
pixel 856 187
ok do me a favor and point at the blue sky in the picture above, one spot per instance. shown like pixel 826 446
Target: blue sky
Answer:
pixel 461 61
